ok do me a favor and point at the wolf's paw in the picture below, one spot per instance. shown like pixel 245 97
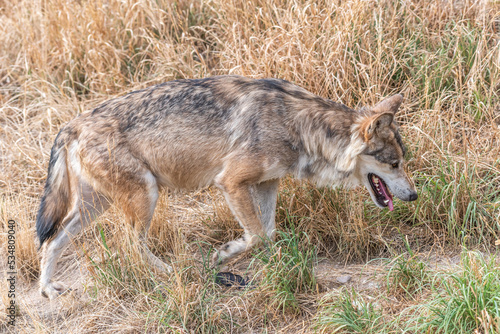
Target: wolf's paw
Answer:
pixel 222 255
pixel 228 251
pixel 217 259
pixel 160 266
pixel 165 268
pixel 53 290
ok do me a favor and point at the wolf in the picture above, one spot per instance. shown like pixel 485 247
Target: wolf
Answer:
pixel 239 134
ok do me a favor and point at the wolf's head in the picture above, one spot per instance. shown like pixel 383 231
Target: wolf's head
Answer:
pixel 381 164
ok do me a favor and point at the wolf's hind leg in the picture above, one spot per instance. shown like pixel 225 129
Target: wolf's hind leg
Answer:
pixel 88 205
pixel 139 211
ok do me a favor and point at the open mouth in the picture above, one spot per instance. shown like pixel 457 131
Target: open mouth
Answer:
pixel 382 194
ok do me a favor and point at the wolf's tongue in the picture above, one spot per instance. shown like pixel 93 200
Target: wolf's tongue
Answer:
pixel 387 196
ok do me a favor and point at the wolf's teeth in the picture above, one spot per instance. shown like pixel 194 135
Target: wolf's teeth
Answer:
pixel 386 201
pixel 375 180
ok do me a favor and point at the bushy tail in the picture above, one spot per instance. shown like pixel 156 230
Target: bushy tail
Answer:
pixel 55 200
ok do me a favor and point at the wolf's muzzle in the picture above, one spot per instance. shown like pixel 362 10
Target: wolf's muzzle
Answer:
pixel 413 197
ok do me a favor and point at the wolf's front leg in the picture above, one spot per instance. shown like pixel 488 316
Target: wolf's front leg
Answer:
pixel 254 207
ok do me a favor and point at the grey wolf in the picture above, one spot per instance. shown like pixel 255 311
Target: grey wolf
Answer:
pixel 239 134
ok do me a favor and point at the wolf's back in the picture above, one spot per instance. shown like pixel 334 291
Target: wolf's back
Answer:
pixel 54 203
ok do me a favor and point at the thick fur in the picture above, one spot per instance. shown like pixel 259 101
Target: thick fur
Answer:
pixel 55 199
pixel 239 134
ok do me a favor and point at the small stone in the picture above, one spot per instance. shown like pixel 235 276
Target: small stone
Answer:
pixel 344 279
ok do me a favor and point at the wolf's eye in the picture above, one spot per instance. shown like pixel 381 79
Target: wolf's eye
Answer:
pixel 395 165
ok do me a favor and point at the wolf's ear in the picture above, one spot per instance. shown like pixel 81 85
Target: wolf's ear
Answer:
pixel 376 123
pixel 390 104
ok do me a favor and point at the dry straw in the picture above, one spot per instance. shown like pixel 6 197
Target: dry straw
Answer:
pixel 60 58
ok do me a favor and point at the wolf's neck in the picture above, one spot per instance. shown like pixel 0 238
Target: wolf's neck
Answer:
pixel 330 143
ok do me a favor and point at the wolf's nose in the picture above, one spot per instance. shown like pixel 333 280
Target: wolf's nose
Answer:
pixel 413 196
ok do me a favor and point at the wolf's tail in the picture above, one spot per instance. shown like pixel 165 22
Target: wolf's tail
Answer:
pixel 55 199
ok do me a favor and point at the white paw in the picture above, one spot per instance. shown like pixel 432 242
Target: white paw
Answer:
pixel 160 265
pixel 53 290
pixel 216 258
pixel 226 252
pixel 166 268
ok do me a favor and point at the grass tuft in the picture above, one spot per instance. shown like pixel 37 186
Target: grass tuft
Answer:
pixel 407 275
pixel 287 269
pixel 467 301
pixel 350 313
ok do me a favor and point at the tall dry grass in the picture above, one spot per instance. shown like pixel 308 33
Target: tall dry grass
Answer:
pixel 60 58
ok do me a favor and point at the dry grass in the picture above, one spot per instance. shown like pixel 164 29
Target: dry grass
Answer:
pixel 60 58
